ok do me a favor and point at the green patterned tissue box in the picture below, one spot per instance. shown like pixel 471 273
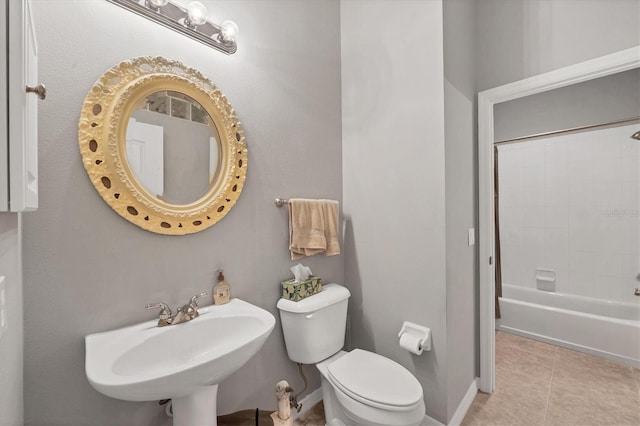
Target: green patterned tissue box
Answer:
pixel 299 290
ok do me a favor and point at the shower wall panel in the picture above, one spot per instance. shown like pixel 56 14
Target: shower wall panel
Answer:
pixel 571 203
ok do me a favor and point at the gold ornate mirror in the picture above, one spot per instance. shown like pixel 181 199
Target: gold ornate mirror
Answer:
pixel 162 145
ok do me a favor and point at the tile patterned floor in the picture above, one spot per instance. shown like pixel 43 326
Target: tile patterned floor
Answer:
pixel 541 384
pixel 536 384
pixel 313 417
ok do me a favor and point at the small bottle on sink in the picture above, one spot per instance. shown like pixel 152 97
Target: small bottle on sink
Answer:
pixel 222 290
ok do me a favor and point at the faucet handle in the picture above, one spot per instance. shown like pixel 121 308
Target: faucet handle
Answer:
pixel 192 301
pixel 165 310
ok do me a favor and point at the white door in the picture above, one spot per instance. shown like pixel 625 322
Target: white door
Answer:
pixel 145 155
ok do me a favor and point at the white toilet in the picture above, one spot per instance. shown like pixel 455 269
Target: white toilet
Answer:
pixel 358 387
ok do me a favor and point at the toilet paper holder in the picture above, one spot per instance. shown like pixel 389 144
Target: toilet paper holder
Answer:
pixel 419 331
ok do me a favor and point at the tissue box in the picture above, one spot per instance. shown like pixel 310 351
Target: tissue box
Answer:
pixel 299 290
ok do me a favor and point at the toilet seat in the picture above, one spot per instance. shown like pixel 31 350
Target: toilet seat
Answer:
pixel 375 381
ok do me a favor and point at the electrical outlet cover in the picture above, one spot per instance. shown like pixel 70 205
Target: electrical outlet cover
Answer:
pixel 3 296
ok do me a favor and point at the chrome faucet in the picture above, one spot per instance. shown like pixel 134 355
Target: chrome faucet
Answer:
pixel 184 313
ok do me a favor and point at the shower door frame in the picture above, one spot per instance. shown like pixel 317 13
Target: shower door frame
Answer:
pixel 595 68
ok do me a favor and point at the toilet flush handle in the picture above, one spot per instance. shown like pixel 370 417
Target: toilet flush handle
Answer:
pixel 309 316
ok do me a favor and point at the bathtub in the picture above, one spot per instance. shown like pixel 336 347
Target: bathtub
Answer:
pixel 603 328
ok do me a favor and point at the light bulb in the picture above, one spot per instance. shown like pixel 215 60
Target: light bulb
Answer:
pixel 229 31
pixel 197 13
pixel 158 3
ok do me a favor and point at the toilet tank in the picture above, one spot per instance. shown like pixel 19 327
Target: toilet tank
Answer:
pixel 314 327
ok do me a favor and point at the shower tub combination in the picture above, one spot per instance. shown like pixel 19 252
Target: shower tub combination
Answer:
pixel 603 328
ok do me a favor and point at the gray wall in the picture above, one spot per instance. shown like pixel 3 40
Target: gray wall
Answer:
pixel 604 99
pixel 11 346
pixel 186 164
pixel 88 270
pixel 186 156
pixel 394 190
pixel 461 199
pixel 520 38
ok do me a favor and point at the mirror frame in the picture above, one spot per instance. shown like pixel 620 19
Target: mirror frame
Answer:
pixel 102 138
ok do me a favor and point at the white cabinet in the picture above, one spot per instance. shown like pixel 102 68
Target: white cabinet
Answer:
pixel 4 130
pixel 19 108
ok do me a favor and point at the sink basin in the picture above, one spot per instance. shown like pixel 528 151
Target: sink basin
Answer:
pixel 184 362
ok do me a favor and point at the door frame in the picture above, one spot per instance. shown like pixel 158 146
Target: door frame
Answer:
pixel 595 68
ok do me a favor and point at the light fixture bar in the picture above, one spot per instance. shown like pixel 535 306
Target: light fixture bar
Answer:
pixel 172 16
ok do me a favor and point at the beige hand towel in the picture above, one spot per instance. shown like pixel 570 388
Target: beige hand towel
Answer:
pixel 313 227
pixel 332 227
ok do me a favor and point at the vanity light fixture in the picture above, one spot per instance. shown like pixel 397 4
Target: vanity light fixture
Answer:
pixel 190 21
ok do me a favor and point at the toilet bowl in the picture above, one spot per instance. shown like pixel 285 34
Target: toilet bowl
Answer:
pixel 368 389
pixel 359 387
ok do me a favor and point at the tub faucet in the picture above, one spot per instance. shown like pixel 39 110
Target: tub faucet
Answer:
pixel 637 292
pixel 184 313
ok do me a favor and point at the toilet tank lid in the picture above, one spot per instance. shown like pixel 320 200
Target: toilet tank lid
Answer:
pixel 330 294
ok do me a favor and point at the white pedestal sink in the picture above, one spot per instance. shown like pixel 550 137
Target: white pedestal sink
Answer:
pixel 184 362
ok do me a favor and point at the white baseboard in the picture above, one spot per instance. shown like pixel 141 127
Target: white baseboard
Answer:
pixel 430 421
pixel 308 402
pixel 465 404
pixel 461 411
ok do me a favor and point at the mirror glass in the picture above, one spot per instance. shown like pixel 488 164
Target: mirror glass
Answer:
pixel 172 147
